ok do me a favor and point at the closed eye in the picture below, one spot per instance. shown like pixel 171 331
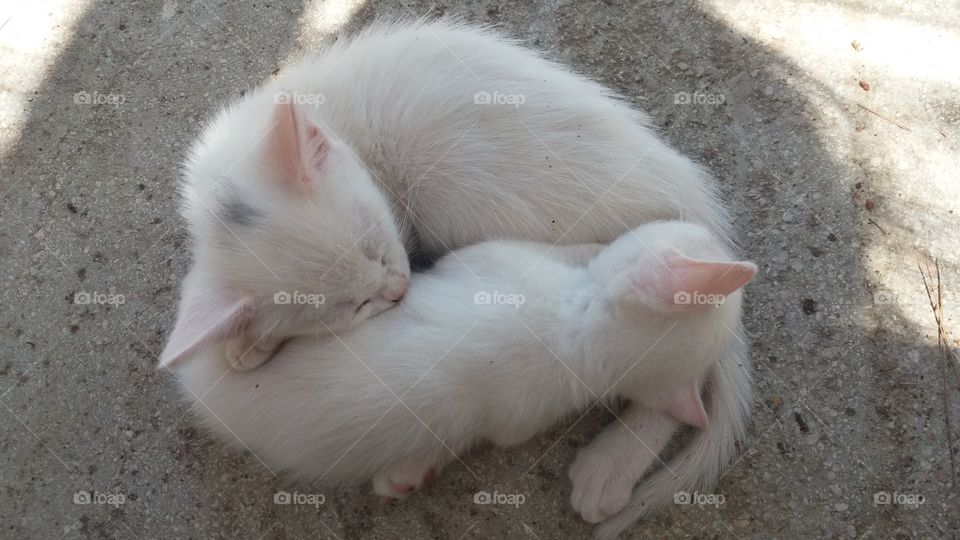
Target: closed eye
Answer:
pixel 365 302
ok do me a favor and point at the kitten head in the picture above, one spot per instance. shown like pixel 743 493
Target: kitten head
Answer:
pixel 291 235
pixel 672 290
pixel 671 267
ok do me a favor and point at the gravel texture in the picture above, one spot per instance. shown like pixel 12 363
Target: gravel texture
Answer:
pixel 833 129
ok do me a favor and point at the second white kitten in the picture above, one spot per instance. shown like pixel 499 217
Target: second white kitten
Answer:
pixel 497 342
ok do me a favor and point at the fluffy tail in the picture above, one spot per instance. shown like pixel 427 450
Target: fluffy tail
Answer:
pixel 698 465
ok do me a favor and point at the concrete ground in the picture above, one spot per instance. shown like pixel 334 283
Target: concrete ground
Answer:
pixel 834 129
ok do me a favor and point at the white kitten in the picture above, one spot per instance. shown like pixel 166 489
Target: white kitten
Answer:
pixel 405 104
pixel 295 216
pixel 496 342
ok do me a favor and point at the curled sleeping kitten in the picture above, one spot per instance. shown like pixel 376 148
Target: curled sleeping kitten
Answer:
pixel 297 240
pixel 286 186
pixel 316 185
pixel 496 342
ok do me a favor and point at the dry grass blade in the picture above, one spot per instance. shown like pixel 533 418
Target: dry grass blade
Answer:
pixel 936 304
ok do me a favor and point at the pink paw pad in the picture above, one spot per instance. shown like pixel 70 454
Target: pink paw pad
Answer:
pixel 397 489
pixel 403 488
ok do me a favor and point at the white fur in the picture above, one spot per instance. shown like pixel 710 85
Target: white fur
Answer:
pixel 571 164
pixel 412 388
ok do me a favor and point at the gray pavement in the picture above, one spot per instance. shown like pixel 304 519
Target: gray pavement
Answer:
pixel 833 128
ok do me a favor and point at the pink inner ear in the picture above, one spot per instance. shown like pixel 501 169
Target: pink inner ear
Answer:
pixel 295 146
pixel 207 314
pixel 692 277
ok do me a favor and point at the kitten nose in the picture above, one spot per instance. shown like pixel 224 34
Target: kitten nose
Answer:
pixel 397 288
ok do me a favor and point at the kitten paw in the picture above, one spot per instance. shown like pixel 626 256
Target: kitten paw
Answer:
pixel 245 354
pixel 600 487
pixel 400 483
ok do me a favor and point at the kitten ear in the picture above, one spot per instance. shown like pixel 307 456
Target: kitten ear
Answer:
pixel 207 313
pixel 295 146
pixel 686 406
pixel 686 282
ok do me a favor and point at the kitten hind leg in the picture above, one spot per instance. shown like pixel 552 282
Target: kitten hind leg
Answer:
pixel 606 470
pixel 245 353
pixel 400 480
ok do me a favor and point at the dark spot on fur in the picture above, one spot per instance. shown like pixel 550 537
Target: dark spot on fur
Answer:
pixel 236 211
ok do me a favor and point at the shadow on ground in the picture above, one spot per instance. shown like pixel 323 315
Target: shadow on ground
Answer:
pixel 848 402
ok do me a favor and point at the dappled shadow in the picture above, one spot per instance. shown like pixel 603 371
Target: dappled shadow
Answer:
pixel 848 401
